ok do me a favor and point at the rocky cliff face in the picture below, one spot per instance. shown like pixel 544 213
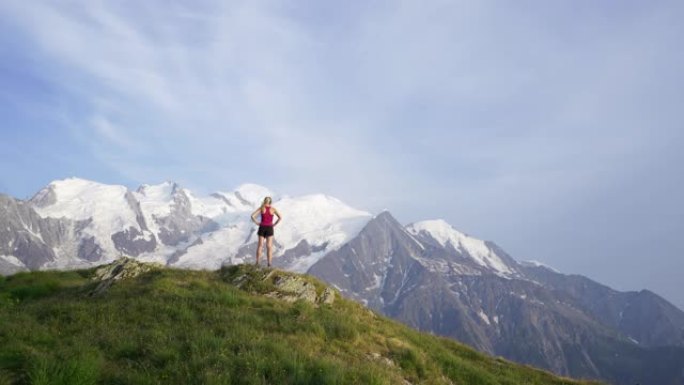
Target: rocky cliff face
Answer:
pixel 643 316
pixel 27 241
pixel 181 225
pixel 373 267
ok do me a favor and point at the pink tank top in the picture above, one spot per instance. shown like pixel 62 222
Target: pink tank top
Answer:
pixel 266 217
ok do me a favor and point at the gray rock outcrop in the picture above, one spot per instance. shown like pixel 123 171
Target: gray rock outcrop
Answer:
pixel 28 237
pixel 123 268
pixel 275 283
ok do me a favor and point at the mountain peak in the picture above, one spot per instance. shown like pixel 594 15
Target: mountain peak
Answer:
pixel 252 194
pixel 385 215
pixel 72 183
pixel 478 250
pixel 386 219
pixel 73 180
pixel 67 195
pixel 439 229
pixel 162 191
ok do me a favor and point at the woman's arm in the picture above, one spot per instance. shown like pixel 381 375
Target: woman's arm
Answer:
pixel 254 214
pixel 277 214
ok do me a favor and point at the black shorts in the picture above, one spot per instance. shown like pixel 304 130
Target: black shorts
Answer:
pixel 265 231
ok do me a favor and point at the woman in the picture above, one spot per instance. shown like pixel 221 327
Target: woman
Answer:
pixel 266 228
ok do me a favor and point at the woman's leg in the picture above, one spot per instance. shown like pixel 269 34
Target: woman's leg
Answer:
pixel 260 244
pixel 269 249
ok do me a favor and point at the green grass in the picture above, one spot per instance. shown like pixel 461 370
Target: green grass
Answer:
pixel 194 327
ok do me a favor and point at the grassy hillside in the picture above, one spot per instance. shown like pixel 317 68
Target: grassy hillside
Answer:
pixel 170 326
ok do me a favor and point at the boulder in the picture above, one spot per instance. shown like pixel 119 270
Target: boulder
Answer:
pixel 291 288
pixel 122 268
pixel 275 283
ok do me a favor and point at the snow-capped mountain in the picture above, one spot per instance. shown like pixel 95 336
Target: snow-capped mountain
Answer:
pixel 485 258
pixel 169 224
pixel 426 274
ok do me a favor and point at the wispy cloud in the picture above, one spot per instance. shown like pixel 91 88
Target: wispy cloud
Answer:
pixel 467 84
pixel 214 87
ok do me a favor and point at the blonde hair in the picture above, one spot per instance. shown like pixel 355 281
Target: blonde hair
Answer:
pixel 263 204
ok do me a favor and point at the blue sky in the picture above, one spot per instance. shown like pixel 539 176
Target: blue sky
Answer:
pixel 552 128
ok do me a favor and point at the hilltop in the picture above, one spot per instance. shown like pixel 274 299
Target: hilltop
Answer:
pixel 134 323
